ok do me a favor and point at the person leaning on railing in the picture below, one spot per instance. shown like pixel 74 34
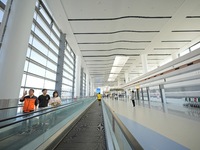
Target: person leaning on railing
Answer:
pixel 30 101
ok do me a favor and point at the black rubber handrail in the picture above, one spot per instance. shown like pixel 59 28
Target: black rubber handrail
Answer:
pixel 27 114
pixel 20 105
pixel 10 107
pixel 134 144
pixel 30 117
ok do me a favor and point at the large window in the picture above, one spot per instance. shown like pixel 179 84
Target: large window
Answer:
pixel 40 69
pixel 68 73
pixel 83 84
pixel 42 55
pixel 2 9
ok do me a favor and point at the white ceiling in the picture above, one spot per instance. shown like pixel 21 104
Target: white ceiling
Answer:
pixel 98 30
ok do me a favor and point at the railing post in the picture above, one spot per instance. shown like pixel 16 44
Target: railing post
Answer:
pixel 148 93
pixel 142 94
pixel 162 93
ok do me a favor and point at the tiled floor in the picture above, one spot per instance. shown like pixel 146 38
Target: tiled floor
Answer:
pixel 166 125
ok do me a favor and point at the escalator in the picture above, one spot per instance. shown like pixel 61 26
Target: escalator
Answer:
pixel 82 124
pixel 87 133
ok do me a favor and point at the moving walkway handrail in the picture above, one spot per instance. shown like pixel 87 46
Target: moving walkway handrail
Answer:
pixel 11 107
pixel 134 144
pixel 19 105
pixel 40 114
pixel 24 114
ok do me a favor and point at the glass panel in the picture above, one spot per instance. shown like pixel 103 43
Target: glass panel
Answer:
pixel 56 30
pixel 52 46
pixel 51 66
pixel 155 94
pixel 4 1
pixel 40 46
pixel 50 75
pixel 68 48
pixel 43 24
pixel 23 79
pixel 69 57
pixel 53 57
pixel 45 15
pixel 66 81
pixel 26 66
pixel 33 27
pixel 66 88
pixel 28 53
pixel 41 35
pixel 67 75
pixel 35 15
pixel 31 39
pixel 55 39
pixel 66 67
pixel 49 84
pixel 69 63
pixel 38 58
pixel 36 69
pixel 1 15
pixel 66 94
pixel 34 82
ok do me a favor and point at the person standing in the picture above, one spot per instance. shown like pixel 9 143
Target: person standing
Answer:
pixel 30 101
pixel 55 100
pixel 133 98
pixel 99 98
pixel 43 99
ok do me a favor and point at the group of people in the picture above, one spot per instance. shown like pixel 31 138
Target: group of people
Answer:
pixel 31 101
pixel 99 96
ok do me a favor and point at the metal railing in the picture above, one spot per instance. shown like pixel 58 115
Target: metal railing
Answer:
pixel 123 137
pixel 40 124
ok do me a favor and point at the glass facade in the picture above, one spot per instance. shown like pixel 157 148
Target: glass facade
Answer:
pixel 40 69
pixel 2 9
pixel 83 84
pixel 68 73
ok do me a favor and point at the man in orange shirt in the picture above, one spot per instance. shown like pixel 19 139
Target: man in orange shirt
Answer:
pixel 30 101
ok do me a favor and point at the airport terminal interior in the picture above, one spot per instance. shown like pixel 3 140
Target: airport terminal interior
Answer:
pixel 99 74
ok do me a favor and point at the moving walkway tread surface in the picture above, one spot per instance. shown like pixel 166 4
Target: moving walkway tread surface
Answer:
pixel 88 133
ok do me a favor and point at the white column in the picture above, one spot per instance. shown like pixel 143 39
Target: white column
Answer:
pixel 78 76
pixel 92 88
pixel 14 47
pixel 126 77
pixel 87 84
pixel 144 63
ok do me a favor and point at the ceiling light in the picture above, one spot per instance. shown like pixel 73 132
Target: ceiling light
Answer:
pixel 113 75
pixel 116 69
pixel 111 79
pixel 120 60
pixel 195 47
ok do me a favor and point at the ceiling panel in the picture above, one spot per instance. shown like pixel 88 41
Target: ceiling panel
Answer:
pixel 103 29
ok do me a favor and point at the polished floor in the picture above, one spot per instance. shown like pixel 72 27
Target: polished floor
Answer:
pixel 158 126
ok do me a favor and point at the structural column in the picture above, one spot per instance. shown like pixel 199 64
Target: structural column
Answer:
pixel 87 84
pixel 14 47
pixel 60 63
pixel 78 76
pixel 144 63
